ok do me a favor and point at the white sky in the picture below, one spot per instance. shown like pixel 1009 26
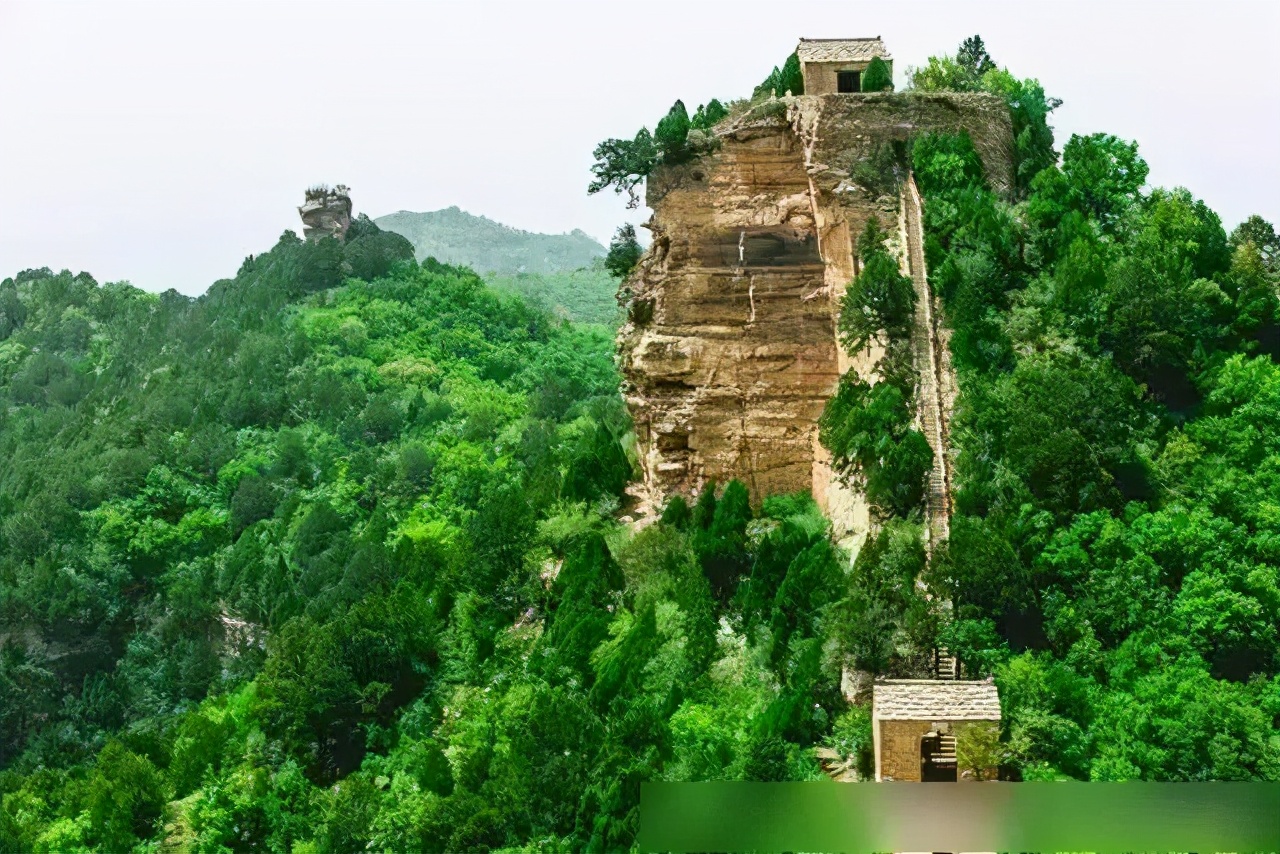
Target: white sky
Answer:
pixel 162 142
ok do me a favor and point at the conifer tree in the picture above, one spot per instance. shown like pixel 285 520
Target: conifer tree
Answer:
pixel 672 134
pixel 877 77
pixel 624 251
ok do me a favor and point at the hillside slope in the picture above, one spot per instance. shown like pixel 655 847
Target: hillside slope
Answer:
pixel 454 236
pixel 326 559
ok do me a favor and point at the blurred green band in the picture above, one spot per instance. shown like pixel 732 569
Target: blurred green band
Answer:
pixel 1098 817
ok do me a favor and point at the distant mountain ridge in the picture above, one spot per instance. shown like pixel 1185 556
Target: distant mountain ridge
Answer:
pixel 454 236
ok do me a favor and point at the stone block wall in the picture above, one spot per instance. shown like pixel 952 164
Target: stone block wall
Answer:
pixel 899 750
pixel 820 77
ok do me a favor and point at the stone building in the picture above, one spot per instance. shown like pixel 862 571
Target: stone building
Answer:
pixel 835 66
pixel 918 725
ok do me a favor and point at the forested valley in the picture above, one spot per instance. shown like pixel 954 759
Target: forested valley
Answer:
pixel 331 558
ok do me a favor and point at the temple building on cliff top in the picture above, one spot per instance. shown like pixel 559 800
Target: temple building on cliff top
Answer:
pixel 835 66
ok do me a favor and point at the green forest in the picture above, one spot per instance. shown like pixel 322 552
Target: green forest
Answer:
pixel 334 557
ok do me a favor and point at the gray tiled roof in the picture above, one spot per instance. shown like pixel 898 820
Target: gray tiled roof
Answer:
pixel 935 700
pixel 841 50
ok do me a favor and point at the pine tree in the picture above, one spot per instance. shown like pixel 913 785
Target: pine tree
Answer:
pixel 877 77
pixel 624 251
pixel 792 80
pixel 672 134
pixel 973 57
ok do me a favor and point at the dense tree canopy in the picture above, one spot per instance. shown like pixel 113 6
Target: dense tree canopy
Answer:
pixel 333 557
pixel 1117 433
pixel 972 69
pixel 322 561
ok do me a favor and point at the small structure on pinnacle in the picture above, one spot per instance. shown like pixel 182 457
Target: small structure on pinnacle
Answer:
pixel 835 66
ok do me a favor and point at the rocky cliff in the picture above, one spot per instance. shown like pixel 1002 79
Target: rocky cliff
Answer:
pixel 326 212
pixel 730 352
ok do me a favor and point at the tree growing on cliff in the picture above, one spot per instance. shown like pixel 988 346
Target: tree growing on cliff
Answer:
pixel 782 80
pixel 868 431
pixel 672 134
pixel 705 118
pixel 624 251
pixel 877 77
pixel 880 298
pixel 623 164
pixel 971 69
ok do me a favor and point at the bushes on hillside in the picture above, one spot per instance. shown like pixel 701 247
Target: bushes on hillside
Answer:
pixel 1101 335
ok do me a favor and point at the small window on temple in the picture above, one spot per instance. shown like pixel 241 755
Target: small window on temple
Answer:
pixel 848 81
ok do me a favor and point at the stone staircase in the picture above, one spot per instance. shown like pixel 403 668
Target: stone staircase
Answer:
pixel 933 366
pixel 946 755
pixel 945 665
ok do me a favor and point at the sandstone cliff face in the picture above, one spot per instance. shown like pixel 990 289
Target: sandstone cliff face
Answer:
pixel 731 352
pixel 326 213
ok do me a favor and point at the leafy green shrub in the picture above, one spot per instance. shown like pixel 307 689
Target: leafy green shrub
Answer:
pixel 877 77
pixel 851 735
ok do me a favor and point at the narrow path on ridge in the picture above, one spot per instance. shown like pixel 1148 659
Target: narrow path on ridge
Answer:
pixel 930 358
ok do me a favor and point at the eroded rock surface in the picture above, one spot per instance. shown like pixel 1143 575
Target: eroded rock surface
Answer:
pixel 730 352
pixel 326 213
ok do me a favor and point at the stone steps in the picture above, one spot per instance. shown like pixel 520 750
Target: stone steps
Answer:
pixel 929 357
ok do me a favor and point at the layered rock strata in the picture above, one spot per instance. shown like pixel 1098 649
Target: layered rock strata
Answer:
pixel 730 352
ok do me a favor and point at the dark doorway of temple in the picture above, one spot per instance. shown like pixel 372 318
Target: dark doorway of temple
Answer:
pixel 848 81
pixel 937 758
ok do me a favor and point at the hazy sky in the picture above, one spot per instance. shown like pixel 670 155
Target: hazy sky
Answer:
pixel 163 142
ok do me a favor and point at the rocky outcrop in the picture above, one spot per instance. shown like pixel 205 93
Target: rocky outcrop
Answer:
pixel 326 212
pixel 730 352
